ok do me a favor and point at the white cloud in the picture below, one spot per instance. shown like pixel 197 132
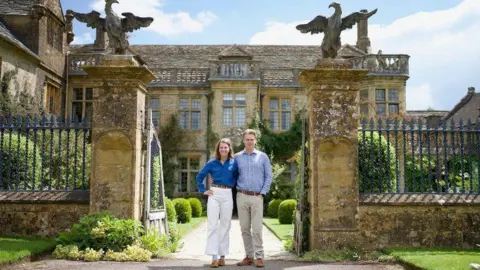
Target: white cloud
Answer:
pixel 166 24
pixel 420 98
pixel 85 38
pixel 434 40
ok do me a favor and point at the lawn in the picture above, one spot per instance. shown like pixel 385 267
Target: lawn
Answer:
pixel 13 249
pixel 282 231
pixel 187 227
pixel 437 259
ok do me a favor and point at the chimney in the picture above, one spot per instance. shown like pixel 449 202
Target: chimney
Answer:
pixel 471 90
pixel 363 42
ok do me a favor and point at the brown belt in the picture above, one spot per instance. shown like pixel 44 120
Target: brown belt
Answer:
pixel 220 186
pixel 251 193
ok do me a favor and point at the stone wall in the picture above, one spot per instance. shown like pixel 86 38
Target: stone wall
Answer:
pixel 41 213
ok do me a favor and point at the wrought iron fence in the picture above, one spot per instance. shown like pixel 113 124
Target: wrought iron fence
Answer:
pixel 396 156
pixel 40 153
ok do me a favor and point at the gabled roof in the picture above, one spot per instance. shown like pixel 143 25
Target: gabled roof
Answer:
pixel 8 36
pixel 467 108
pixel 234 52
pixel 349 51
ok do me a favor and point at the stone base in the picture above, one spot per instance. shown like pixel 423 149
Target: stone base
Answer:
pixel 333 63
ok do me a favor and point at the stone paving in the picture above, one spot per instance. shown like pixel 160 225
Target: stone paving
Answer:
pixel 191 256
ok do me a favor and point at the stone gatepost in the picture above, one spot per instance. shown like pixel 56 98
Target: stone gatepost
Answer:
pixel 118 119
pixel 332 97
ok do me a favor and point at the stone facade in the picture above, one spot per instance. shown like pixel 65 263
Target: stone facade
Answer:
pixel 41 213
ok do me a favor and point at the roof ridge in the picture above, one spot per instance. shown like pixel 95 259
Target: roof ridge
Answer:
pixel 460 104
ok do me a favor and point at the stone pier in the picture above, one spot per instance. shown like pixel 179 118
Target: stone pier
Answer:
pixel 118 118
pixel 332 97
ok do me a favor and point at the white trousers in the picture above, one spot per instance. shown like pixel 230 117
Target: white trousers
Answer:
pixel 219 212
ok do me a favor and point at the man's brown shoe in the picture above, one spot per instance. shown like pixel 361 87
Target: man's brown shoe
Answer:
pixel 245 261
pixel 214 264
pixel 260 263
pixel 221 262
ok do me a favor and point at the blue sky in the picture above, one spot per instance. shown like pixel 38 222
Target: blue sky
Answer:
pixel 441 37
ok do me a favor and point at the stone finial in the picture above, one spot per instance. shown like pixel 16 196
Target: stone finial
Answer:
pixel 471 89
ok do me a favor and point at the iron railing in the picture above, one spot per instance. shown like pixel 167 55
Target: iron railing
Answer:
pixel 396 156
pixel 40 153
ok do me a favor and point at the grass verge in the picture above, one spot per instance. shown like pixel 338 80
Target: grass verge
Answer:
pixel 283 232
pixel 13 249
pixel 187 227
pixel 437 259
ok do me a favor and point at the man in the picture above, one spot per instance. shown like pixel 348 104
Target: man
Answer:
pixel 254 180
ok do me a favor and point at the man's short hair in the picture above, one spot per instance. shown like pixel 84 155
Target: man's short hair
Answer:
pixel 250 132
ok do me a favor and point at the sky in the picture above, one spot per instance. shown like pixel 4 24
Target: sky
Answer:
pixel 441 37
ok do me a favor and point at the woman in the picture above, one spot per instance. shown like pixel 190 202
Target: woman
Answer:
pixel 223 170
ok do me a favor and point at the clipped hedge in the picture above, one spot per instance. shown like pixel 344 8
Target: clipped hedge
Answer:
pixel 285 211
pixel 183 209
pixel 273 207
pixel 196 206
pixel 171 213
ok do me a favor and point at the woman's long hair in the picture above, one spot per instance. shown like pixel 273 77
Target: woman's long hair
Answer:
pixel 217 148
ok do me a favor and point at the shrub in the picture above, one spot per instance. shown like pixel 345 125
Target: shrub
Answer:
pixel 69 252
pixel 285 211
pixel 273 207
pixel 183 209
pixel 171 213
pixel 376 163
pixel 155 183
pixel 102 231
pixel 196 206
pixel 172 239
pixel 138 254
pixel 91 255
pixel 21 168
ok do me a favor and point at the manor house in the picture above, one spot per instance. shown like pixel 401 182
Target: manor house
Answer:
pixel 216 86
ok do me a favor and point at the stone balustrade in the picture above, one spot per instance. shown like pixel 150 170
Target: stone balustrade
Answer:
pixel 383 64
pixel 173 76
pixel 234 69
pixel 77 61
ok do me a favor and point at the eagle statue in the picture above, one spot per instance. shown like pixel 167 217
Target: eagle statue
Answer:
pixel 332 27
pixel 115 26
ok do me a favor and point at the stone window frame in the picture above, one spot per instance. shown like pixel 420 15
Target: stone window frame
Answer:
pixel 190 110
pixel 53 100
pixel 280 111
pixel 84 101
pixel 189 172
pixel 388 100
pixel 364 102
pixel 54 34
pixel 236 120
pixel 155 111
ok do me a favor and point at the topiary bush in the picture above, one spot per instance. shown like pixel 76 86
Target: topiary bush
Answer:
pixel 285 211
pixel 21 168
pixel 183 209
pixel 273 207
pixel 196 206
pixel 171 213
pixel 376 163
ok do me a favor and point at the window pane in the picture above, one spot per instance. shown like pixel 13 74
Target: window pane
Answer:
pixel 227 116
pixel 286 119
pixel 156 118
pixel 393 95
pixel 193 182
pixel 380 95
pixel 89 111
pixel 183 120
pixel 88 93
pixel 77 94
pixel 364 94
pixel 393 108
pixel 240 99
pixel 184 104
pixel 227 99
pixel 274 104
pixel 274 125
pixel 183 181
pixel 286 104
pixel 196 103
pixel 194 164
pixel 77 110
pixel 240 117
pixel 183 163
pixel 364 109
pixel 381 109
pixel 195 120
pixel 155 104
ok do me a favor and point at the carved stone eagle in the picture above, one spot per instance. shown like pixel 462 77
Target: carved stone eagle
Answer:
pixel 114 25
pixel 332 27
